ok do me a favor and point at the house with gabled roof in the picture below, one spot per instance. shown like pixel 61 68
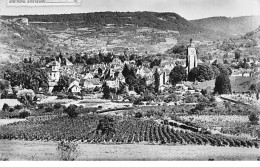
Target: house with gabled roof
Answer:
pixel 91 83
pixel 88 76
pixel 74 86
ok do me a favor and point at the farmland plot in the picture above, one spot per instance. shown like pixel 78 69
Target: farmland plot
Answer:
pixel 84 129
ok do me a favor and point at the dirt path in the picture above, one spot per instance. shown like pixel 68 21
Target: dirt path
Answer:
pixel 9 121
pixel 35 150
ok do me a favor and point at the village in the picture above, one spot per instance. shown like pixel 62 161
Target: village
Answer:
pixel 92 86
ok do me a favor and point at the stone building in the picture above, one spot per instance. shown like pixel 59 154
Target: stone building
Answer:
pixel 192 59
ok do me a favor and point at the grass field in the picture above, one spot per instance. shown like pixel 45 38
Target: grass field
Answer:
pixel 46 151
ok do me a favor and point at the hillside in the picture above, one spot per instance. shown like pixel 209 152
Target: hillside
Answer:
pixel 234 26
pixel 162 21
pixel 255 33
pixel 18 40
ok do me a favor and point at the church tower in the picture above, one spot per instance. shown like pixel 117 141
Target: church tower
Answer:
pixel 192 59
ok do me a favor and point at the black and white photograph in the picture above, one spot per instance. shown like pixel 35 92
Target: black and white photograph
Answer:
pixel 129 80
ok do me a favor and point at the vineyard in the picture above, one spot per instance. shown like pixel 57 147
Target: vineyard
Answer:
pixel 231 124
pixel 84 129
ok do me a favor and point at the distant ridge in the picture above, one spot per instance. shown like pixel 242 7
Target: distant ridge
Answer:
pixel 234 26
pixel 163 21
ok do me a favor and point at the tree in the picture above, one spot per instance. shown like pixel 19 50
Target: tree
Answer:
pixel 253 118
pixel 193 74
pixel 63 83
pixel 237 55
pixel 215 70
pixel 205 73
pixel 106 91
pixel 25 60
pixel 224 69
pixel 222 84
pixel 156 80
pixel 71 111
pixel 100 72
pixel 253 88
pixel 178 74
pixel 4 84
pixel 126 71
pixel 155 62
pixel 26 96
pixel 5 107
pixel 228 68
pixel 29 76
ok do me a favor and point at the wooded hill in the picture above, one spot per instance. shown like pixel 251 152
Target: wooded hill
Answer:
pixel 162 21
pixel 234 26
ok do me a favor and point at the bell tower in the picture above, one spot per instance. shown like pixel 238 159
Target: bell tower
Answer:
pixel 191 59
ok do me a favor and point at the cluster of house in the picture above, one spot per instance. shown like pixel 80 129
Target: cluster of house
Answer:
pixel 92 76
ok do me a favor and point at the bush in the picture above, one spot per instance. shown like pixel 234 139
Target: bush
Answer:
pixel 5 107
pixel 11 109
pixel 68 151
pixel 24 113
pixel 254 119
pixel 41 106
pixel 138 115
pixel 18 107
pixel 57 105
pixel 25 96
pixel 48 109
pixel 71 111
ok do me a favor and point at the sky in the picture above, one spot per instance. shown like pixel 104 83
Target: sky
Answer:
pixel 189 9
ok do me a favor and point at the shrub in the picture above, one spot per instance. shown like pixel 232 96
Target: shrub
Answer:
pixel 71 111
pixel 24 113
pixel 18 107
pixel 48 109
pixel 11 109
pixel 68 151
pixel 253 118
pixel 41 106
pixel 5 107
pixel 25 96
pixel 138 115
pixel 57 105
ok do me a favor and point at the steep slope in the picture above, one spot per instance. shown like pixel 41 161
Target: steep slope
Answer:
pixel 236 25
pixel 255 33
pixel 163 21
pixel 21 35
pixel 19 40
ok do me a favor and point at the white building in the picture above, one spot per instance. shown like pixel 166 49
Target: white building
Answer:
pixel 53 71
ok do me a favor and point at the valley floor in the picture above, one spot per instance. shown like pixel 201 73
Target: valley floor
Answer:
pixel 46 151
